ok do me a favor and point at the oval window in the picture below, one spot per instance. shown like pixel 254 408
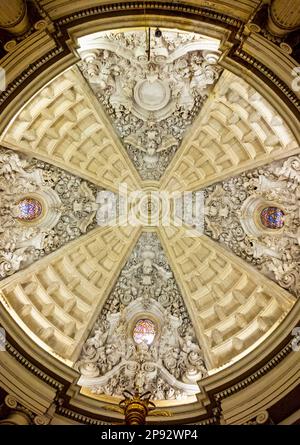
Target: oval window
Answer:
pixel 272 217
pixel 144 331
pixel 29 209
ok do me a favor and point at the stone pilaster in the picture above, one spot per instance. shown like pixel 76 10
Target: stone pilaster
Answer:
pixel 15 415
pixel 13 16
pixel 284 17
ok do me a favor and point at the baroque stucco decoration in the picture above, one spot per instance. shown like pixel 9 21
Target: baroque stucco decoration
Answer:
pixel 232 211
pixel 251 56
pixel 111 361
pixel 151 101
pixel 69 210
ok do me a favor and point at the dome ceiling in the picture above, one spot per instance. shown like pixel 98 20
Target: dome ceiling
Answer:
pixel 77 279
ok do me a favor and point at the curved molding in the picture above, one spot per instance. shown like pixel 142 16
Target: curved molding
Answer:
pixel 241 10
pixel 90 381
pixel 65 125
pixel 214 388
pixel 250 217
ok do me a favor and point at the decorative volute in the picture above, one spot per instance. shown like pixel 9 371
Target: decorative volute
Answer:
pixel 14 17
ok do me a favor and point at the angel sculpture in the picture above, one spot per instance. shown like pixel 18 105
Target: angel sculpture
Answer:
pixel 148 266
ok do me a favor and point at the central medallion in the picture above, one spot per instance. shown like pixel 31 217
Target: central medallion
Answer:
pixel 152 96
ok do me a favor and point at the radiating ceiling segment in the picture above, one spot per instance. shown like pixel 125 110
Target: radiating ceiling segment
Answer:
pixel 65 125
pixel 236 130
pixel 56 299
pixel 232 306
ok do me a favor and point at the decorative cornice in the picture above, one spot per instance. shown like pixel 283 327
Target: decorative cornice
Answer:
pixel 209 421
pixel 256 375
pixel 151 7
pixel 20 80
pixel 214 410
pixel 32 368
pixel 78 417
pixel 285 90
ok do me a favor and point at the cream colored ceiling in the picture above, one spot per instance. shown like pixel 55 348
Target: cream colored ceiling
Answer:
pixel 232 306
pixel 64 124
pixel 236 130
pixel 56 299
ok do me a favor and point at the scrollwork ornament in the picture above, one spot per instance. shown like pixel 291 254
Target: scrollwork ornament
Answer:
pixel 276 256
pixel 151 103
pixel 262 417
pixel 41 420
pixel 11 401
pixel 71 210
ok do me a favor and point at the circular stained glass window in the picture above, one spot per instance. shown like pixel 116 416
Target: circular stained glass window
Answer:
pixel 144 331
pixel 272 217
pixel 29 209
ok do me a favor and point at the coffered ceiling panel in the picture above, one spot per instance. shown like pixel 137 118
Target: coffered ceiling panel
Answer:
pixel 65 125
pixel 56 299
pixel 232 306
pixel 235 131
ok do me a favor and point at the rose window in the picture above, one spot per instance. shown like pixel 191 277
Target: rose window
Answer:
pixel 29 209
pixel 272 217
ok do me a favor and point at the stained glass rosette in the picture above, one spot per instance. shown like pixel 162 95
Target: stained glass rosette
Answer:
pixel 144 331
pixel 29 209
pixel 272 217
